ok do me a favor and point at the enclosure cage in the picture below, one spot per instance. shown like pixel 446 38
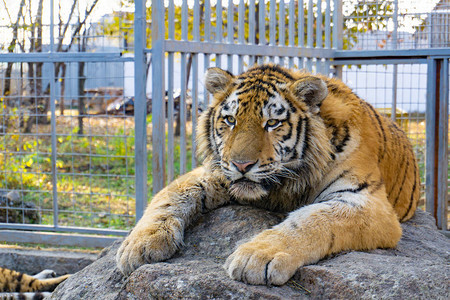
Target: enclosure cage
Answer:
pixel 100 100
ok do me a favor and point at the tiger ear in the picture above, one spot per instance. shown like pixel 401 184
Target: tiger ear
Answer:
pixel 312 90
pixel 217 80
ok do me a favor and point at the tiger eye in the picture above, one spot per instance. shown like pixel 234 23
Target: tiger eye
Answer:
pixel 272 122
pixel 230 120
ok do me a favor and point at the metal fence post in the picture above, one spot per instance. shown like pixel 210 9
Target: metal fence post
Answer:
pixel 395 71
pixel 437 140
pixel 338 25
pixel 158 108
pixel 140 112
pixel 53 121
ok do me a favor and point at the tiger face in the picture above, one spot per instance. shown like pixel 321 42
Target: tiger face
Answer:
pixel 258 127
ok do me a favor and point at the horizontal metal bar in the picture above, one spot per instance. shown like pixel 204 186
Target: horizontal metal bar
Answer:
pixel 379 61
pixel 445 232
pixel 64 57
pixel 238 49
pixel 59 239
pixel 372 54
pixel 63 229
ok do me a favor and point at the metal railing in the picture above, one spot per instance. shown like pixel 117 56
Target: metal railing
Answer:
pixel 98 181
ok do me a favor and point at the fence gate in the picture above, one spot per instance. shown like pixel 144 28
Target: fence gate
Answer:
pixel 126 86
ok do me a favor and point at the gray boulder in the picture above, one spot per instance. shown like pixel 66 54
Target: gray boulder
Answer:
pixel 14 210
pixel 417 269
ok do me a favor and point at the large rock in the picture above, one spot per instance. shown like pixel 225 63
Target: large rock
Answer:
pixel 417 269
pixel 14 210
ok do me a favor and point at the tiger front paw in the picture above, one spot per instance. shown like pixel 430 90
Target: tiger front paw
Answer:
pixel 261 262
pixel 147 244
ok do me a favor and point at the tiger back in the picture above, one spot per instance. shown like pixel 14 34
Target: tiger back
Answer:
pixel 17 285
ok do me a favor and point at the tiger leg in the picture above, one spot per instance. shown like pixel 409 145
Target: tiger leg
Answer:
pixel 49 284
pixel 160 232
pixel 350 221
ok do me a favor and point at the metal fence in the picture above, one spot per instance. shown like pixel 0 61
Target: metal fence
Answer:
pixel 95 121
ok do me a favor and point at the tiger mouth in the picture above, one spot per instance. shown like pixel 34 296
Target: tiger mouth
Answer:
pixel 243 180
pixel 245 188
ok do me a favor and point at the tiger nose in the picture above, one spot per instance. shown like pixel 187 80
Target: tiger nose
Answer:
pixel 244 165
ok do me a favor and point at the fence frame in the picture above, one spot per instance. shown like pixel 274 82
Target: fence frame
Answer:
pixel 331 53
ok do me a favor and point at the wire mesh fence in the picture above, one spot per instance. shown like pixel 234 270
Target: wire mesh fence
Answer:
pixel 72 146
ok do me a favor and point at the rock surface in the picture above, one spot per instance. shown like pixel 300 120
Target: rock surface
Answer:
pixel 417 269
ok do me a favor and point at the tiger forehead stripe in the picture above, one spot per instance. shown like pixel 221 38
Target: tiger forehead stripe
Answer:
pixel 230 105
pixel 276 107
pixel 269 69
pixel 258 85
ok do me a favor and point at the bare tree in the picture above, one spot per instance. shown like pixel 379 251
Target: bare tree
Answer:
pixel 12 46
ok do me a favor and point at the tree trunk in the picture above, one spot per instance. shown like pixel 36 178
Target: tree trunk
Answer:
pixel 11 47
pixel 63 89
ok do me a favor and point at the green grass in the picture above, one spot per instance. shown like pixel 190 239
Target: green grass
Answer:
pixel 96 189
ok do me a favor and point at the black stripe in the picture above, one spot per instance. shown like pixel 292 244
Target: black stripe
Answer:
pixel 377 186
pixel 360 187
pixel 19 283
pixel 345 172
pixel 343 143
pixel 306 136
pixel 380 124
pixel 401 164
pixel 331 242
pixel 273 68
pixel 403 182
pixel 30 284
pixel 203 197
pixel 412 194
pixel 289 134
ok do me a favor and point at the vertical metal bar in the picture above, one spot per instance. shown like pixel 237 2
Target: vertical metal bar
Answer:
pixel 281 28
pixel 251 28
pixel 140 111
pixel 309 34
pixel 395 71
pixel 218 30
pixel 170 100
pixel 319 40
pixel 158 82
pixel 262 26
pixel 431 146
pixel 310 37
pixel 241 32
pixel 206 57
pixel 442 154
pixel 301 23
pixel 338 23
pixel 230 33
pixel 272 25
pixel 182 111
pixel 53 121
pixel 291 29
pixel 195 84
pixel 328 25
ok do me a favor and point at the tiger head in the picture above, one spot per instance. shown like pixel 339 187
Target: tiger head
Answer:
pixel 258 130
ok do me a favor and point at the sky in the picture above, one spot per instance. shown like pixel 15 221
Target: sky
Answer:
pixel 102 8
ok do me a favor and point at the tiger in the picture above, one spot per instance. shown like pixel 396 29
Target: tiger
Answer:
pixel 17 285
pixel 292 142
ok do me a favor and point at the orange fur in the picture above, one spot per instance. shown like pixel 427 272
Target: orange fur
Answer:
pixel 291 142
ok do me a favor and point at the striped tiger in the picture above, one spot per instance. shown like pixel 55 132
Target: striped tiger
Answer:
pixel 17 285
pixel 293 142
